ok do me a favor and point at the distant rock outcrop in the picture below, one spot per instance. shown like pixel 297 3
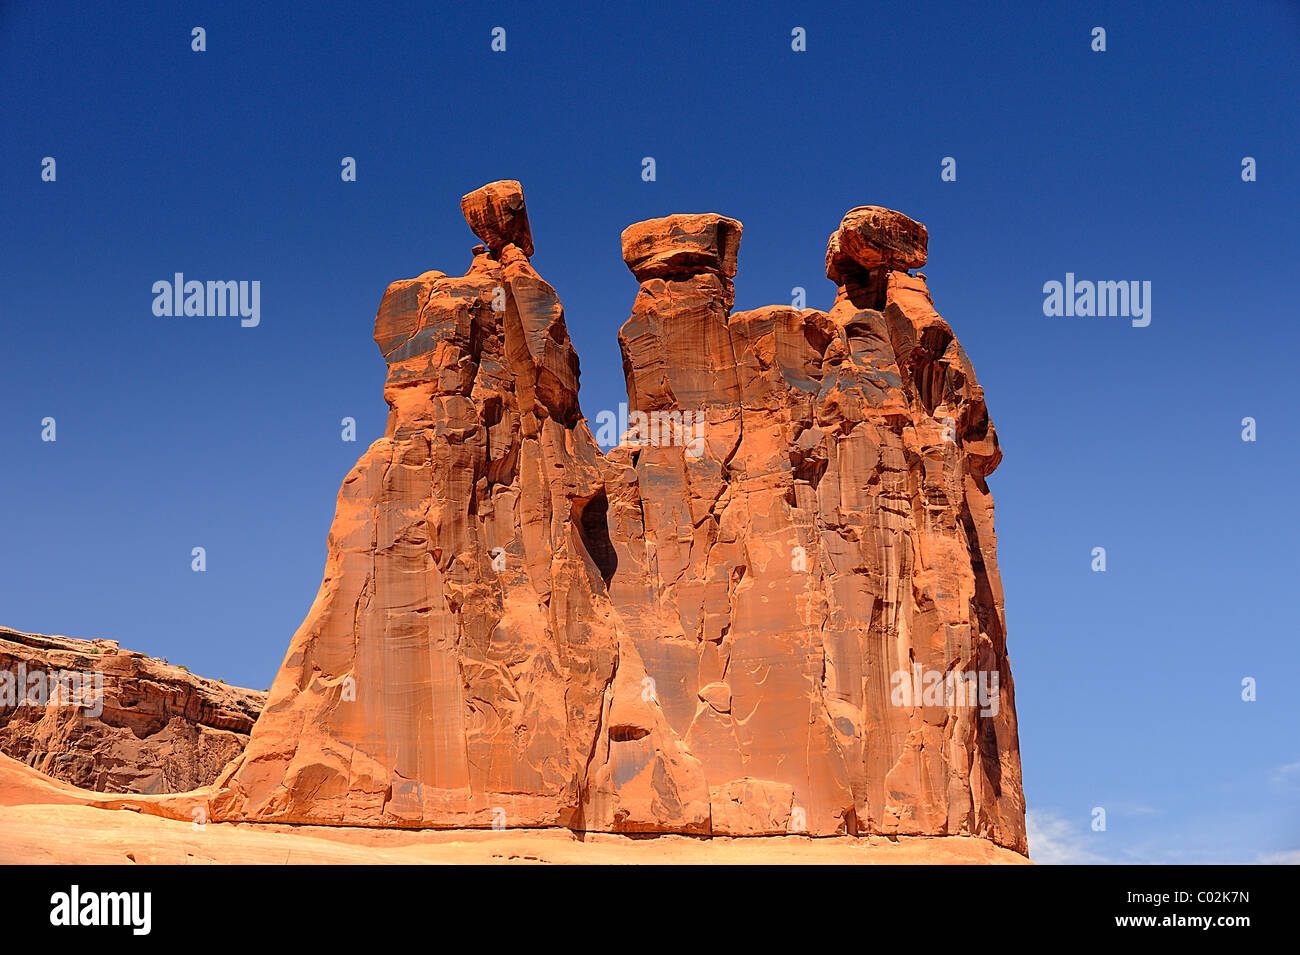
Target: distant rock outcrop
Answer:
pixel 774 608
pixel 114 721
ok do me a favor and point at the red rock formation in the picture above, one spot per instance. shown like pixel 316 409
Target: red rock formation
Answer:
pixel 114 721
pixel 454 668
pixel 869 238
pixel 835 531
pixel 708 632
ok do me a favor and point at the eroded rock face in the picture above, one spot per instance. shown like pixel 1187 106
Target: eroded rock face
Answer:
pixel 715 630
pixel 785 577
pixel 456 666
pixel 115 721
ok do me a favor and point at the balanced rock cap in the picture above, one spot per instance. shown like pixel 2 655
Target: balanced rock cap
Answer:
pixel 497 214
pixel 872 237
pixel 682 245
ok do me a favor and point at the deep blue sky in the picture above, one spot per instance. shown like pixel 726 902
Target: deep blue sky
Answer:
pixel 1123 165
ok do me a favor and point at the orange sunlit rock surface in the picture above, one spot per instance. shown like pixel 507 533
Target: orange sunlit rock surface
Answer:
pixel 717 630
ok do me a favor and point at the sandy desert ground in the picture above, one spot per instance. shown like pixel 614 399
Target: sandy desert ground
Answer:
pixel 43 821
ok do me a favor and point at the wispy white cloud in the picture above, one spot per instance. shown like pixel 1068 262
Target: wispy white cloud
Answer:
pixel 1287 775
pixel 1056 840
pixel 1290 857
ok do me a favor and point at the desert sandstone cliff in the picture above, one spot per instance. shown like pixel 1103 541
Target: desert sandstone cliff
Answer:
pixel 702 631
pixel 129 724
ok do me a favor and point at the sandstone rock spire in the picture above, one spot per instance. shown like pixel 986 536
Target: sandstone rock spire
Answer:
pixel 834 534
pixel 717 634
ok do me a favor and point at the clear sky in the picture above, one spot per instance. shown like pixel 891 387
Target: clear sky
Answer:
pixel 1125 165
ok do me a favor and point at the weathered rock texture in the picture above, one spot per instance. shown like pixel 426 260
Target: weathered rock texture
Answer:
pixel 155 729
pixel 870 238
pixel 695 634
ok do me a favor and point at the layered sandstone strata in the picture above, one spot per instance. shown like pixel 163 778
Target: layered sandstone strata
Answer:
pixel 115 721
pixel 716 630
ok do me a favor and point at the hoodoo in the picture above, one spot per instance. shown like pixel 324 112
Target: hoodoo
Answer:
pixel 516 629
